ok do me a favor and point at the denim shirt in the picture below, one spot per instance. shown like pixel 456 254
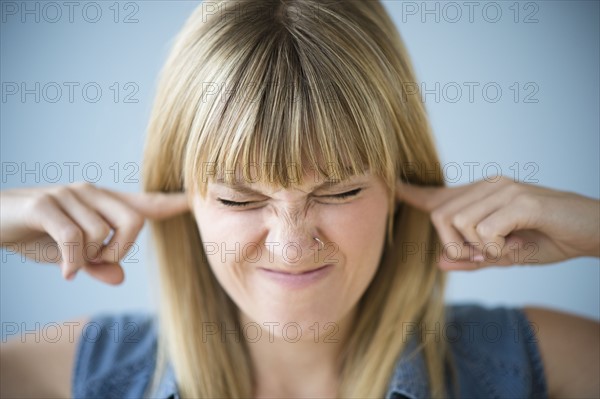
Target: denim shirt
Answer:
pixel 495 353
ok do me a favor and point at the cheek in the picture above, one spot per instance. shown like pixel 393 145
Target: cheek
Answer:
pixel 358 229
pixel 224 236
pixel 226 227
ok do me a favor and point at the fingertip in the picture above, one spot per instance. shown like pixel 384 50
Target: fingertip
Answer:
pixel 70 276
pixel 400 193
pixel 119 276
pixel 68 273
pixel 109 273
pixel 116 281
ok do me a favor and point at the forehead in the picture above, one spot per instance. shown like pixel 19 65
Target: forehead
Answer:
pixel 310 183
pixel 269 174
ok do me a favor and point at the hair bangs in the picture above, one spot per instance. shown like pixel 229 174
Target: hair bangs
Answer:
pixel 284 119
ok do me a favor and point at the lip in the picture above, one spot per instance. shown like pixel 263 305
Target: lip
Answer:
pixel 297 280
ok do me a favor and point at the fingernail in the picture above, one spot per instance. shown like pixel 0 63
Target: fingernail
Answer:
pixel 478 258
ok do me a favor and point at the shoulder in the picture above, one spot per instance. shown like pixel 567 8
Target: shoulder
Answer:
pixel 115 355
pixel 495 351
pixel 570 336
pixel 42 356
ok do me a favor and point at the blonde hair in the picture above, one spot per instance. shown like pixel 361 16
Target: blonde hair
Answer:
pixel 278 83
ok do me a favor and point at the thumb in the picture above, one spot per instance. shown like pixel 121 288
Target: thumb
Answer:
pixel 109 273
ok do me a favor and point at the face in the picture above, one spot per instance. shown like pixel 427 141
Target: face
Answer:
pixel 259 241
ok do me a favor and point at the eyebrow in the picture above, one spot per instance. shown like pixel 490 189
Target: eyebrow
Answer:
pixel 244 189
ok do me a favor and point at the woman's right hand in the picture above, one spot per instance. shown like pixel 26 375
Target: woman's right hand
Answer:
pixel 76 219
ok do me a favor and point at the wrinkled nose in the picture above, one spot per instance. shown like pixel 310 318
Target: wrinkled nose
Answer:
pixel 291 240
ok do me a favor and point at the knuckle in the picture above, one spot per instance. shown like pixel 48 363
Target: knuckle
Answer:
pixel 460 221
pixel 526 200
pixel 134 222
pixel 99 232
pixel 82 186
pixel 438 217
pixel 61 191
pixel 512 189
pixel 70 233
pixel 484 230
pixel 484 181
pixel 503 180
pixel 39 202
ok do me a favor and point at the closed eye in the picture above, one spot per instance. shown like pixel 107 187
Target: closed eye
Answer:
pixel 345 195
pixel 234 203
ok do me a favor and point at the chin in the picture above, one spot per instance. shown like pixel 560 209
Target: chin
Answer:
pixel 288 322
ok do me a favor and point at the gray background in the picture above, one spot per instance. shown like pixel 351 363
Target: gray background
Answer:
pixel 547 53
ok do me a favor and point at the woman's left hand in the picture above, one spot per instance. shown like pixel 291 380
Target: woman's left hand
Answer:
pixel 503 222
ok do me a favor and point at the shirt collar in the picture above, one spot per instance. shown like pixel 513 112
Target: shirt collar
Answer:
pixel 410 377
pixel 167 387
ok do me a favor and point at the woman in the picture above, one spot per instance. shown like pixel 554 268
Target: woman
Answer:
pixel 294 238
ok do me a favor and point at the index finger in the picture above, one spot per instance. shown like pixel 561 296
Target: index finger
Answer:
pixel 425 198
pixel 156 205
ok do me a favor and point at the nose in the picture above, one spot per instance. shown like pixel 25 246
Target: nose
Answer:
pixel 291 239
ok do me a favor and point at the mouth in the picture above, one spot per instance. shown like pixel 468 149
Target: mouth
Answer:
pixel 297 279
pixel 294 272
